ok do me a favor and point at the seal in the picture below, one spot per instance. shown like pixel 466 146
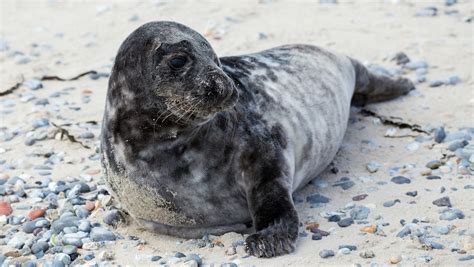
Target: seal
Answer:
pixel 194 144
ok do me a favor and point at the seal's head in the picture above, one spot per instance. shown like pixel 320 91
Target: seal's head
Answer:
pixel 171 71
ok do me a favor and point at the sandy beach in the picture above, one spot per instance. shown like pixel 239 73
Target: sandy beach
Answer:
pixel 41 166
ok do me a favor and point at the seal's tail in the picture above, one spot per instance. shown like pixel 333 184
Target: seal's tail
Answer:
pixel 371 87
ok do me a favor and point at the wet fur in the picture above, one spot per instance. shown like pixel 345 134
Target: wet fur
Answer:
pixel 266 124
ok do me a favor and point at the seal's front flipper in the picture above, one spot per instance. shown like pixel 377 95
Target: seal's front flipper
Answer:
pixel 275 220
pixel 371 87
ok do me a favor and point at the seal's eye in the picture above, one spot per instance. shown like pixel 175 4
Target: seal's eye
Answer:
pixel 177 62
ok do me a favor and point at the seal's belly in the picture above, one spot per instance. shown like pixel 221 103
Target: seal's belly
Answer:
pixel 311 100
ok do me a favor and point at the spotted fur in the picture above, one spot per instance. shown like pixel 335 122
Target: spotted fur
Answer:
pixel 221 144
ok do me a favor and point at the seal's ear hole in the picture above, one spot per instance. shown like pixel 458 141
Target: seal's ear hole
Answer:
pixel 177 62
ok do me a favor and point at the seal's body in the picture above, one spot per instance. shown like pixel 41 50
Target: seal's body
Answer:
pixel 193 144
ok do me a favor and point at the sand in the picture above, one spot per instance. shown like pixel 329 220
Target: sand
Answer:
pixel 85 35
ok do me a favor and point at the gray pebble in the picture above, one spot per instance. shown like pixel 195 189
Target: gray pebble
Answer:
pixel 457 145
pixel 39 246
pixel 326 253
pixel 390 203
pixel 350 247
pixel 439 134
pixel 452 80
pixel 112 217
pixel 373 166
pixel 413 65
pixel 442 202
pixel 317 198
pixel 434 164
pixel 466 258
pixel 345 183
pixel 412 193
pixel 451 214
pixel 367 254
pixel 102 234
pixel 441 229
pixel 86 135
pixel 345 222
pixel 69 249
pixel 63 257
pixel 360 212
pixel 400 180
pixel 436 83
pixel 33 84
pixel 194 257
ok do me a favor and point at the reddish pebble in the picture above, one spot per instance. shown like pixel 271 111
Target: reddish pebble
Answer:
pixel 359 197
pixel 90 206
pixel 5 208
pixel 321 232
pixel 36 213
pixel 93 171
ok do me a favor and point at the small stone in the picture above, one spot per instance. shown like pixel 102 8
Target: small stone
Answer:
pixel 433 177
pixel 316 236
pixel 63 257
pixel 113 217
pixel 334 218
pixel 326 253
pixel 312 225
pixel 35 213
pixel 69 249
pixel 395 259
pixel 455 145
pixel 369 229
pixel 317 199
pixel 33 84
pixel 86 135
pixel 193 257
pixel 400 180
pixel 442 202
pixel 367 254
pixel 441 229
pixel 413 65
pixel 101 234
pixel 344 251
pixel 434 164
pixel 425 171
pixel 350 247
pixel 439 134
pixel 39 246
pixel 179 255
pixel 400 58
pixel 359 197
pixel 155 258
pixel 360 212
pixel 412 193
pixel 452 80
pixel 345 222
pixel 345 183
pixel 451 214
pixel 373 166
pixel 5 208
pixel 436 83
pixel 390 203
pixel 467 258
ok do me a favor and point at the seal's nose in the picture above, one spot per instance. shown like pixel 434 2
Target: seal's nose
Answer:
pixel 216 86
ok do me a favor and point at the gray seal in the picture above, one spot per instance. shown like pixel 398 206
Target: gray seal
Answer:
pixel 194 144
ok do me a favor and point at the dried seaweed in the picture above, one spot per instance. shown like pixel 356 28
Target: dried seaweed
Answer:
pixel 69 136
pixel 57 78
pixel 47 78
pixel 13 88
pixel 394 121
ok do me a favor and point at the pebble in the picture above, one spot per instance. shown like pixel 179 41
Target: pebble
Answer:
pixel 317 199
pixel 63 257
pixel 390 203
pixel 413 65
pixel 69 249
pixel 334 218
pixel 345 222
pixel 35 213
pixel 395 259
pixel 345 183
pixel 442 202
pixel 373 166
pixel 412 193
pixel 457 145
pixel 434 164
pixel 452 80
pixel 326 253
pixel 33 84
pixel 155 258
pixel 441 229
pixel 350 247
pixel 39 246
pixel 436 83
pixel 433 177
pixel 451 214
pixel 106 255
pixel 466 258
pixel 344 251
pixel 359 197
pixel 87 135
pixel 101 234
pixel 5 208
pixel 112 217
pixel 400 180
pixel 360 212
pixel 439 135
pixel 367 254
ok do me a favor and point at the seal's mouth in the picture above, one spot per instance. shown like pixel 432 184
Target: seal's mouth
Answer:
pixel 197 109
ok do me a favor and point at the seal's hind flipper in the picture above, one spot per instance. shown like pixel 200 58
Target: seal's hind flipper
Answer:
pixel 371 87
